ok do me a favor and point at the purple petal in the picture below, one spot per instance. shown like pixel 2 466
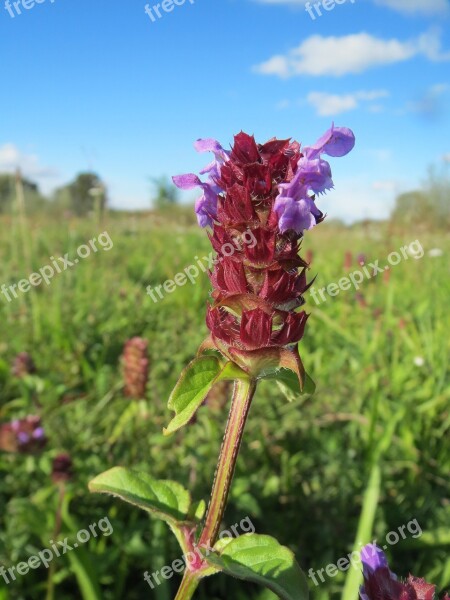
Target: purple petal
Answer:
pixel 187 182
pixel 295 214
pixel 372 558
pixel 38 433
pixel 23 437
pixel 211 145
pixel 311 176
pixel 316 174
pixel 206 208
pixel 336 142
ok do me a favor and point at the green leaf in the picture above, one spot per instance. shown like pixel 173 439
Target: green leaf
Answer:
pixel 261 559
pixel 289 384
pixel 83 567
pixel 289 379
pixel 167 500
pixel 191 390
pixel 194 385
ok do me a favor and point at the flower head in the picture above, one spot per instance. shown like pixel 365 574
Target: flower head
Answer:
pixel 25 436
pixel 62 468
pixel 263 193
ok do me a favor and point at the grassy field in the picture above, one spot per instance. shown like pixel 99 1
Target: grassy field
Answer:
pixel 375 434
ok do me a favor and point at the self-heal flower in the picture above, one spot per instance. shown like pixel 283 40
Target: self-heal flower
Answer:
pixel 381 584
pixel 267 189
pixel 25 436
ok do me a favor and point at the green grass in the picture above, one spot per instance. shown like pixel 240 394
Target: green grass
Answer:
pixel 375 433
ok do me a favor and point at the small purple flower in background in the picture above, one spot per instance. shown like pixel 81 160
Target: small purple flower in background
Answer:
pixel 381 584
pixel 362 259
pixel 25 436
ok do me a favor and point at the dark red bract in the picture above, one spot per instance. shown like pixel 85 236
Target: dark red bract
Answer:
pixel 259 285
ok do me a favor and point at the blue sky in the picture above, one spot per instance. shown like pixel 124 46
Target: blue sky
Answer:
pixel 97 84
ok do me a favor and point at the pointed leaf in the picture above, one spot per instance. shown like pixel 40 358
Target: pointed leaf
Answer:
pixel 261 559
pixel 166 499
pixel 289 384
pixel 195 384
pixel 191 390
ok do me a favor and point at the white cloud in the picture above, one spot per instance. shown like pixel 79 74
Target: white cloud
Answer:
pixel 327 105
pixel 11 158
pixel 355 53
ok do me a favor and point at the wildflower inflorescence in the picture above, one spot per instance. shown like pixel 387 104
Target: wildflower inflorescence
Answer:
pixel 25 436
pixel 271 190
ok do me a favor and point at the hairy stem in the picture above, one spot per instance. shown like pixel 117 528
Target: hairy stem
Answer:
pixel 244 390
pixel 188 586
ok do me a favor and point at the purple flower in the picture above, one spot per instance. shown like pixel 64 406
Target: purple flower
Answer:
pixel 336 142
pixel 373 558
pixel 313 176
pixel 38 434
pixel 206 205
pixel 296 214
pixel 221 156
pixel 23 437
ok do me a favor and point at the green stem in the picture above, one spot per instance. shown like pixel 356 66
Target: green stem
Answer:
pixel 244 390
pixel 188 586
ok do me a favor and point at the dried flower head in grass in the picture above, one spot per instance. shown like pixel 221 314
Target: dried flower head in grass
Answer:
pixel 135 364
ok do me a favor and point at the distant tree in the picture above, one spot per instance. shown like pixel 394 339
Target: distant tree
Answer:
pixel 85 194
pixel 428 207
pixel 166 194
pixel 34 199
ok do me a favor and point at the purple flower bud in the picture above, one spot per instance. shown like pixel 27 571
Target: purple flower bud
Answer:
pixel 372 558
